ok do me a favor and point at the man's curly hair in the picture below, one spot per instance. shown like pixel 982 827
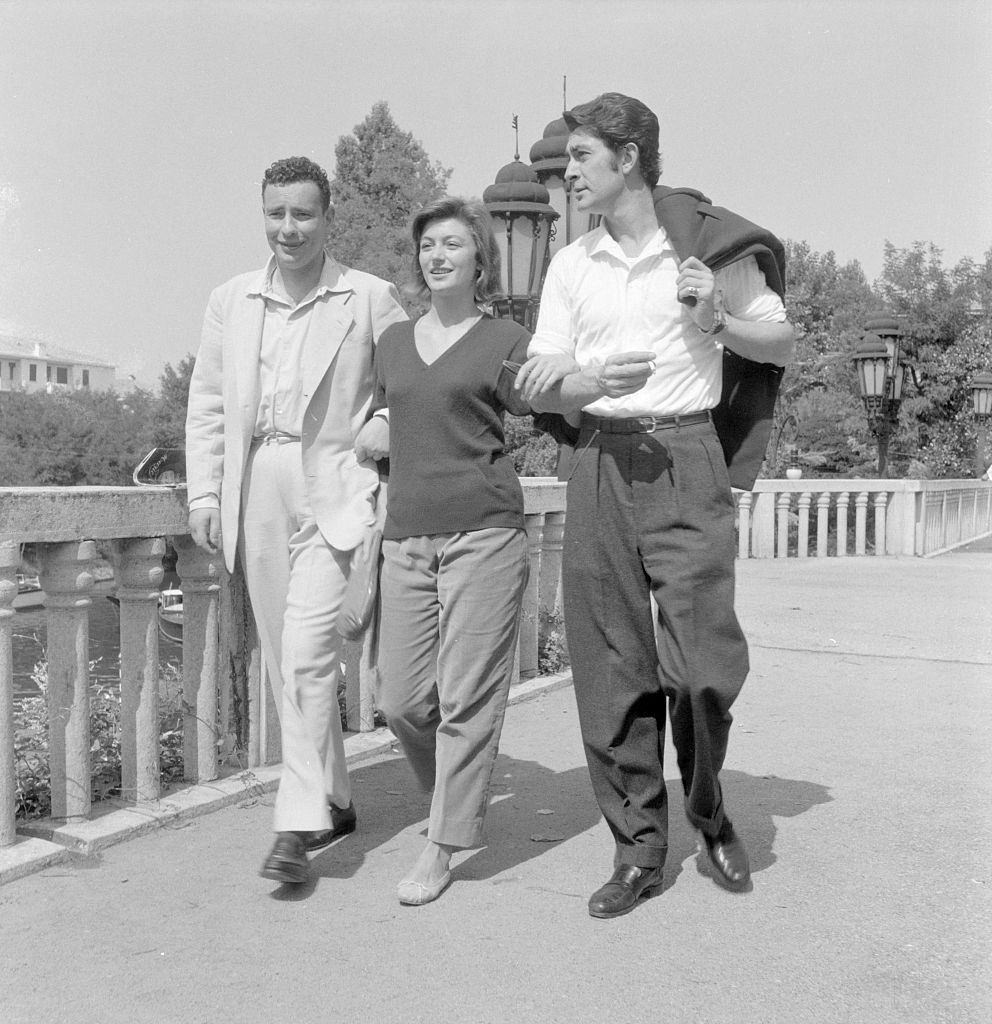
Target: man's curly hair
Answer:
pixel 299 168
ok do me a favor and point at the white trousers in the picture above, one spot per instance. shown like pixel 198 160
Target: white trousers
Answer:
pixel 296 582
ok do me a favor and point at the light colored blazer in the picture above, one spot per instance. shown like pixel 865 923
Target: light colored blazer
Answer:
pixel 337 390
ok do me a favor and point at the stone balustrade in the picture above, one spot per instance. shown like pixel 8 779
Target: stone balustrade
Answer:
pixel 841 518
pixel 229 718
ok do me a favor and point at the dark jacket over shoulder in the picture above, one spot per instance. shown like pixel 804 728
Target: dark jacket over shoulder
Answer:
pixel 719 237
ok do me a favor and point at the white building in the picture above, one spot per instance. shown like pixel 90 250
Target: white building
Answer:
pixel 29 363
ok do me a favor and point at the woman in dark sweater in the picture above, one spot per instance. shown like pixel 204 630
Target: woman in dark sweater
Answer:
pixel 454 548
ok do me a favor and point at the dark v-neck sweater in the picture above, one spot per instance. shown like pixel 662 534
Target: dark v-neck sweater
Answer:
pixel 448 471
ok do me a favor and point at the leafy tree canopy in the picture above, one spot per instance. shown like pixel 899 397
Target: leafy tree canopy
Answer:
pixel 82 437
pixel 383 177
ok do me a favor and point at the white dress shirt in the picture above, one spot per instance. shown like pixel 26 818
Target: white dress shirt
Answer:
pixel 598 302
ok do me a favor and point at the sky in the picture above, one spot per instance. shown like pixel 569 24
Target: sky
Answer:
pixel 133 135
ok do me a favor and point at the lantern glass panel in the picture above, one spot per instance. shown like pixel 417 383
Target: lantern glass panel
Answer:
pixel 897 379
pixel 558 197
pixel 542 237
pixel 871 376
pixel 982 398
pixel 521 252
pixel 499 231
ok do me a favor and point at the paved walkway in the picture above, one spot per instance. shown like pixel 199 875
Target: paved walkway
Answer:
pixel 859 773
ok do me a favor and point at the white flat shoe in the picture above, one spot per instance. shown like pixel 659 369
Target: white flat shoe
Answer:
pixel 416 894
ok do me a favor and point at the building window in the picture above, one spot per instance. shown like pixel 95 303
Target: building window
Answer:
pixel 86 378
pixel 33 371
pixel 61 374
pixel 13 370
pixel 48 374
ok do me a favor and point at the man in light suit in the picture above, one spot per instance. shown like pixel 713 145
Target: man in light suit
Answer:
pixel 282 384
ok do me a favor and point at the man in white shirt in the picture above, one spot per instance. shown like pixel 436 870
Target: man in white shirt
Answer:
pixel 631 339
pixel 281 387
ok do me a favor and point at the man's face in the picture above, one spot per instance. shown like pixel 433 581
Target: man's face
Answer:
pixel 296 225
pixel 593 172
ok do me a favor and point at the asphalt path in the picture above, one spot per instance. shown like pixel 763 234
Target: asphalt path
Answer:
pixel 858 773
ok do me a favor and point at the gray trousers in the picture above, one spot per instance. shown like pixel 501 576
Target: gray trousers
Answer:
pixel 450 616
pixel 652 514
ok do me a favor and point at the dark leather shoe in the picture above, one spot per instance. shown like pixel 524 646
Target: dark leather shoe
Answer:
pixel 287 862
pixel 626 886
pixel 344 820
pixel 728 858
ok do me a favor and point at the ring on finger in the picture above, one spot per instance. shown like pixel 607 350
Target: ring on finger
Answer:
pixel 692 290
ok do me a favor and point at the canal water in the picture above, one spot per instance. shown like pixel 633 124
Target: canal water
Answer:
pixel 29 643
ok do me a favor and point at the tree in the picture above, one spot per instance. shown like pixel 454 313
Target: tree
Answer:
pixel 169 422
pixel 818 404
pixel 383 177
pixel 947 317
pixel 72 438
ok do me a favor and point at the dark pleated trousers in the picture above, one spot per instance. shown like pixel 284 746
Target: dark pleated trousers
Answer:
pixel 652 514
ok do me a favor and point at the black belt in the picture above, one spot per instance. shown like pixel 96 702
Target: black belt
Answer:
pixel 643 424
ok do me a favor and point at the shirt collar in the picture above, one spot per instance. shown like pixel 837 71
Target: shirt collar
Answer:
pixel 603 242
pixel 333 278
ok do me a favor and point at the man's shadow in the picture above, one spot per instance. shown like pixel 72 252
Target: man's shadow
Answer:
pixel 519 827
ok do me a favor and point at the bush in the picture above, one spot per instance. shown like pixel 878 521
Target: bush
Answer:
pixel 534 453
pixel 552 646
pixel 33 797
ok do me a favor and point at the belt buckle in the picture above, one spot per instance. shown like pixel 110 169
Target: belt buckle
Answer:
pixel 654 424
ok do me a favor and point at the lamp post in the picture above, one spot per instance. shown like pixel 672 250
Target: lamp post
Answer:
pixel 523 221
pixel 981 399
pixel 548 160
pixel 880 366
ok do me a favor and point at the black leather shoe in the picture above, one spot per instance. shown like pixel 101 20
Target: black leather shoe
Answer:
pixel 728 858
pixel 626 886
pixel 287 862
pixel 344 820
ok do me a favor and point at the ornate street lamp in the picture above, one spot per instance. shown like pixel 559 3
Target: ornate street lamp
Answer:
pixel 523 220
pixel 880 363
pixel 548 160
pixel 981 400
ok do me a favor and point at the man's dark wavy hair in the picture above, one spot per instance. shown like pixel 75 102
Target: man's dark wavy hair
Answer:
pixel 299 168
pixel 617 120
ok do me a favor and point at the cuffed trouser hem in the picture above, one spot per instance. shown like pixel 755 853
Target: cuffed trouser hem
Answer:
pixel 708 826
pixel 464 835
pixel 640 855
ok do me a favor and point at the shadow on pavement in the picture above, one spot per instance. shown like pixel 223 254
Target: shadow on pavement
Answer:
pixel 534 809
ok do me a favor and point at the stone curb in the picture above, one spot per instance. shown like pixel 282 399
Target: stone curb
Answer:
pixel 42 843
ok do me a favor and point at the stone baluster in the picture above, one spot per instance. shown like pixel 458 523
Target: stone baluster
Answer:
pixel 861 523
pixel 881 500
pixel 67 579
pixel 10 559
pixel 241 669
pixel 744 524
pixel 783 504
pixel 199 573
pixel 550 586
pixel 368 680
pixel 802 546
pixel 138 567
pixel 843 500
pixel 529 614
pixel 822 523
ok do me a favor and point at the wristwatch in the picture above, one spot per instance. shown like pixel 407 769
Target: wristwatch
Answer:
pixel 719 316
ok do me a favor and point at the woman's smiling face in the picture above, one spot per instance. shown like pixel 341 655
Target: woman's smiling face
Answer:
pixel 448 257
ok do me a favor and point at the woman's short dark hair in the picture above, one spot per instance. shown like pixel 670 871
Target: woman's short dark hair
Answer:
pixel 474 216
pixel 617 120
pixel 298 168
